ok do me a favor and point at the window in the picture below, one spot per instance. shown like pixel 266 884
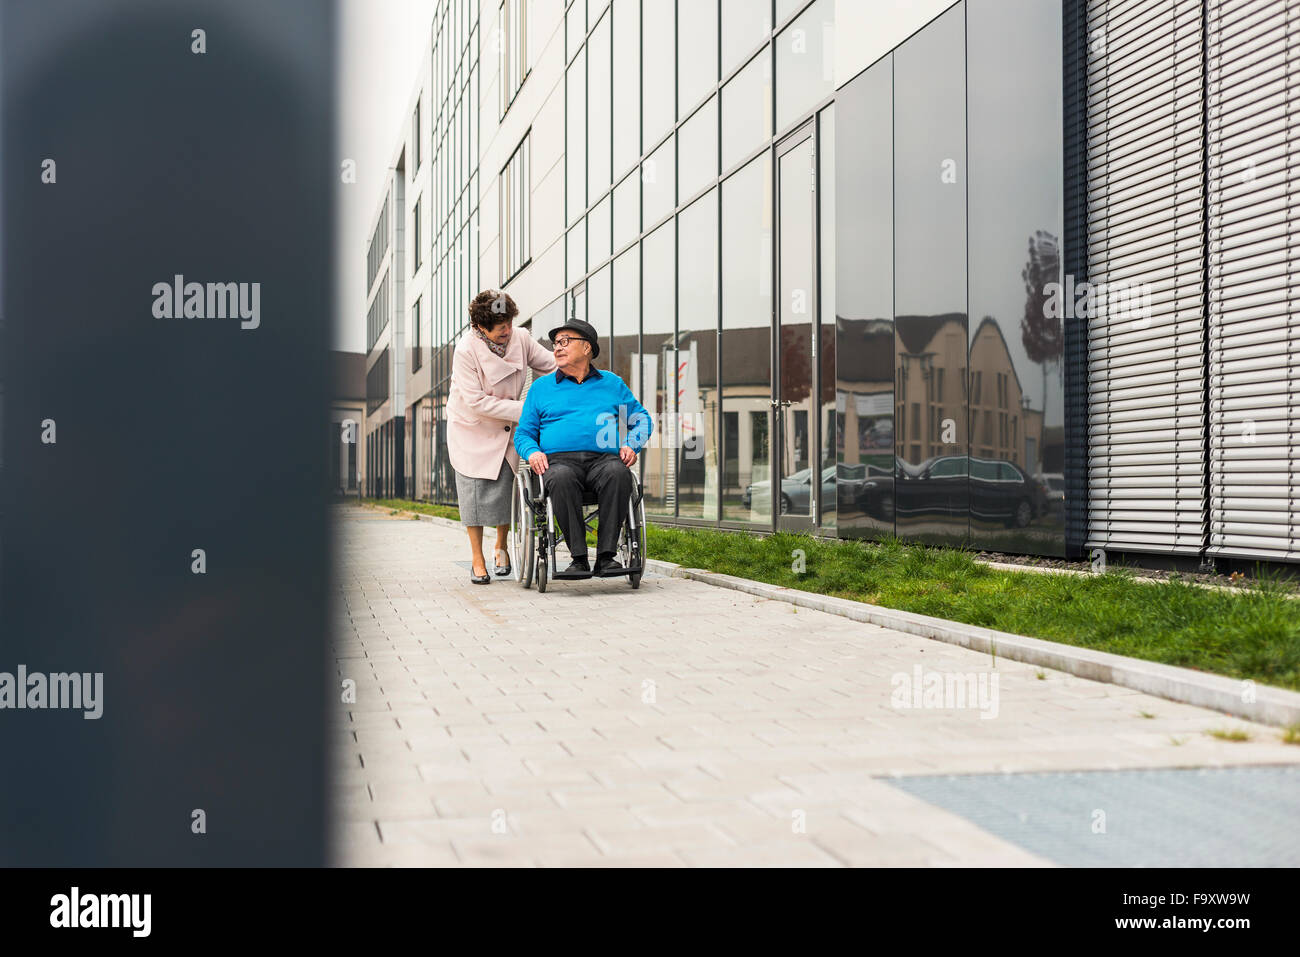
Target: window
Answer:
pixel 697 53
pixel 697 342
pixel 575 152
pixel 697 150
pixel 627 80
pixel 417 356
pixel 804 62
pixel 744 25
pixel 415 238
pixel 515 48
pixel 514 213
pixel 658 80
pixel 747 110
pixel 416 151
pixel 600 117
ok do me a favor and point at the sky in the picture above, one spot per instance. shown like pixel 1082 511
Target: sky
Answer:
pixel 380 46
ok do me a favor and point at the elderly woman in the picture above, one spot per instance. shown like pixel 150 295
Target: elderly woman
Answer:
pixel 487 382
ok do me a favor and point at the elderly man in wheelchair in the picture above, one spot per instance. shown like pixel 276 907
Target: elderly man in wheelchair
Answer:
pixel 569 433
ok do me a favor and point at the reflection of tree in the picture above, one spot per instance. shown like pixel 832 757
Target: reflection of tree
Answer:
pixel 796 371
pixel 1040 327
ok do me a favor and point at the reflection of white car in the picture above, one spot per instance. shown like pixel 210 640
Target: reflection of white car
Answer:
pixel 795 489
pixel 1054 483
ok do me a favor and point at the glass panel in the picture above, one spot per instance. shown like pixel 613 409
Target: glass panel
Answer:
pixel 598 233
pixel 745 24
pixel 598 110
pixel 747 340
pixel 697 52
pixel 625 348
pixel 786 7
pixel 864 298
pixel 826 290
pixel 697 355
pixel 598 290
pixel 1015 207
pixel 627 217
pixel 627 80
pixel 657 113
pixel 575 152
pixel 697 150
pixel 657 175
pixel 577 254
pixel 658 359
pixel 930 277
pixel 795 314
pixel 805 62
pixel 576 24
pixel 747 110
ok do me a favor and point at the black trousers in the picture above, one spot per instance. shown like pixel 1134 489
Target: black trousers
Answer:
pixel 567 475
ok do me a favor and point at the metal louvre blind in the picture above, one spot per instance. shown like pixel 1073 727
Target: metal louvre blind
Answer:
pixel 1254 269
pixel 1146 261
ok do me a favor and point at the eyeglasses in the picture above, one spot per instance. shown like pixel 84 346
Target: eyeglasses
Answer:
pixel 564 341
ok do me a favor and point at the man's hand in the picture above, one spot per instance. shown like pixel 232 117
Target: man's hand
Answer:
pixel 628 456
pixel 537 462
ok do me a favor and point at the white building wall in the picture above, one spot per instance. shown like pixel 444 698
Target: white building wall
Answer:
pixel 876 27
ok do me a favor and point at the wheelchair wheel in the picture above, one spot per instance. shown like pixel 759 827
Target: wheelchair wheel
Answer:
pixel 545 544
pixel 521 534
pixel 542 566
pixel 634 537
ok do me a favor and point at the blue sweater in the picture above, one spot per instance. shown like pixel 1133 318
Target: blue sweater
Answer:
pixel 562 415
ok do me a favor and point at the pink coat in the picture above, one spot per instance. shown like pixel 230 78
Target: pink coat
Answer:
pixel 484 404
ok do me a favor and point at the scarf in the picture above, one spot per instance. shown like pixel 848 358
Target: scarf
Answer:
pixel 497 350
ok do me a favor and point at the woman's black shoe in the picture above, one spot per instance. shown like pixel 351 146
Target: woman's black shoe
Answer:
pixel 481 579
pixel 505 569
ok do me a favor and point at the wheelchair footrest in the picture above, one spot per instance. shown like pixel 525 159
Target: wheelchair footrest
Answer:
pixel 571 576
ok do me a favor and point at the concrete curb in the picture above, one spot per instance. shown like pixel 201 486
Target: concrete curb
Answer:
pixel 1275 706
pixel 436 519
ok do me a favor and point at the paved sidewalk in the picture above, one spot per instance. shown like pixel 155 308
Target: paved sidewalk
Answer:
pixel 686 724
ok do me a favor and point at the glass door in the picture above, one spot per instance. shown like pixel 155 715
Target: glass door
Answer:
pixel 794 397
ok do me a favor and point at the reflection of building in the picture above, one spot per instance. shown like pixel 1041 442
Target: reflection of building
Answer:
pixel 1003 426
pixel 347 435
pixel 784 251
pixel 864 397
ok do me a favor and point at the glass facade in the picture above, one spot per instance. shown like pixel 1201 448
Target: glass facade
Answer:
pixel 453 219
pixel 949 414
pixel 836 353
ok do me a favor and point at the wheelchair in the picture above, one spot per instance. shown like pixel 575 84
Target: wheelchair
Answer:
pixel 534 532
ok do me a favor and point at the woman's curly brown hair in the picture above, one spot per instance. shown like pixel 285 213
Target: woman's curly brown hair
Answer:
pixel 490 307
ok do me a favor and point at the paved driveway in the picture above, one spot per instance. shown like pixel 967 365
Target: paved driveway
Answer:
pixel 688 724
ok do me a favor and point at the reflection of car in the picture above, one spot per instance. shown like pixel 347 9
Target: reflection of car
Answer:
pixel 1054 491
pixel 795 491
pixel 989 489
pixel 867 488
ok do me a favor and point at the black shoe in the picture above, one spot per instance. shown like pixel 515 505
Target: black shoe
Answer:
pixel 578 568
pixel 481 579
pixel 609 565
pixel 503 569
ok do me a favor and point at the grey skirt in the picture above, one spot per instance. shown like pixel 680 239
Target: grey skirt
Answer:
pixel 485 501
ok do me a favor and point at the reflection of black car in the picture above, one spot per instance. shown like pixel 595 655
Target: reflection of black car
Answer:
pixel 990 489
pixel 866 488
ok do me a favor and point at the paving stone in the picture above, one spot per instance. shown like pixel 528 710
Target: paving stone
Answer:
pixel 503 701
